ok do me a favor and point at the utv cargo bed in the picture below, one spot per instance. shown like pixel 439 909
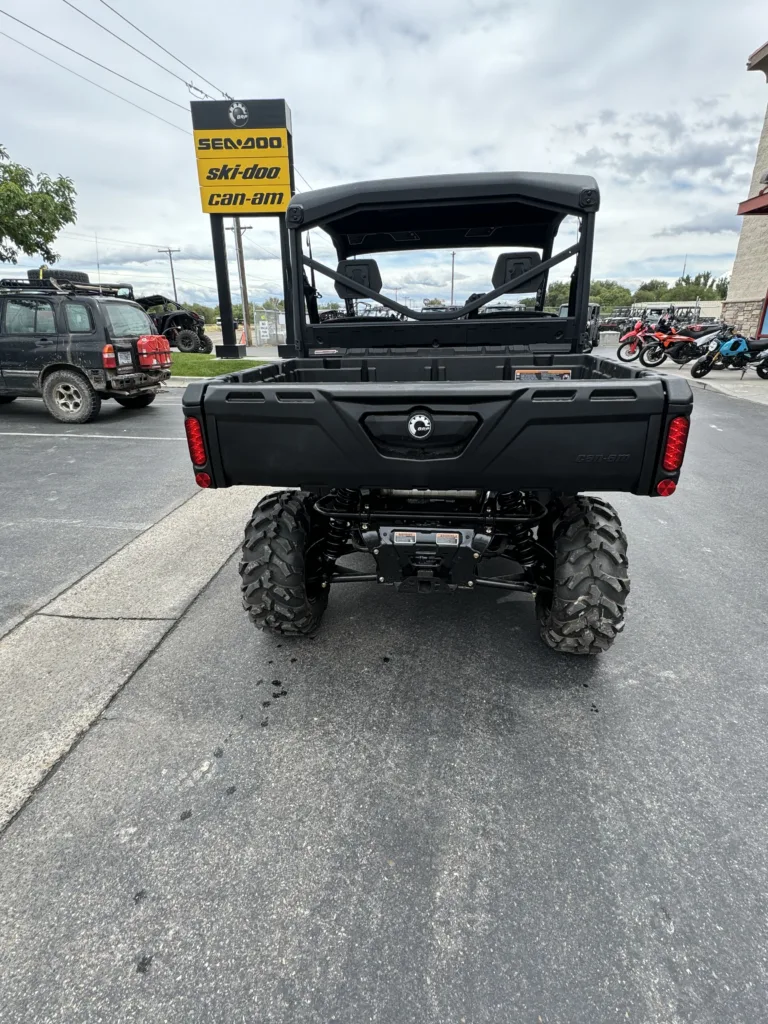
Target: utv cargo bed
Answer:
pixel 542 422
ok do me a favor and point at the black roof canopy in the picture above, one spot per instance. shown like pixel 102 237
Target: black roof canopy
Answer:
pixel 445 211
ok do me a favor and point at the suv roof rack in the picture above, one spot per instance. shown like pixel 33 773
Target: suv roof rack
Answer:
pixel 52 285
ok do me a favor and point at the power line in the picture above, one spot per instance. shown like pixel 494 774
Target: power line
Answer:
pixel 303 178
pixel 267 251
pixel 141 53
pixel 117 241
pixel 92 61
pixel 91 82
pixel 173 55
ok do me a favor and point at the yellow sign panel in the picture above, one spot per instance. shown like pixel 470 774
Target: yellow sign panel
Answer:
pixel 243 171
pixel 234 199
pixel 269 172
pixel 212 144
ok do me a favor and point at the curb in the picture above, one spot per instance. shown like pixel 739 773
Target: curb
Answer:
pixel 62 666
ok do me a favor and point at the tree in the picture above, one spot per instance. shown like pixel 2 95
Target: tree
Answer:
pixel 32 211
pixel 433 302
pixel 557 293
pixel 208 313
pixel 651 291
pixel 609 294
pixel 274 303
pixel 701 286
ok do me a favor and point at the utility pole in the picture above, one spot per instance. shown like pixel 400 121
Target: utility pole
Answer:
pixel 173 276
pixel 238 233
pixel 453 267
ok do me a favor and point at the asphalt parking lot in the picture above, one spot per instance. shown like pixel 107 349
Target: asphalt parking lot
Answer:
pixel 421 815
pixel 71 496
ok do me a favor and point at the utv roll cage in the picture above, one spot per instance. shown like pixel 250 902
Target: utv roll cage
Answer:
pixel 442 211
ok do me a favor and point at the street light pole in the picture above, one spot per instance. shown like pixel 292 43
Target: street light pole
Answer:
pixel 238 233
pixel 453 265
pixel 173 276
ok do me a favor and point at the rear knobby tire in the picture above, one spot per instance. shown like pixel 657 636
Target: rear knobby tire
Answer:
pixel 584 612
pixel 206 345
pixel 276 592
pixel 187 341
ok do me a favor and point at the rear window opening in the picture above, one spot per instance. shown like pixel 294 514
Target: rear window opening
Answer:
pixel 126 320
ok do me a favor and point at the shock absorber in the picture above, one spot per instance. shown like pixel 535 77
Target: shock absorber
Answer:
pixel 520 534
pixel 338 531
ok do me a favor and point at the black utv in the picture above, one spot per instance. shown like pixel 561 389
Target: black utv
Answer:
pixel 450 450
pixel 184 329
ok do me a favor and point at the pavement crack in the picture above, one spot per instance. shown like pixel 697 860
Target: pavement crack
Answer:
pixel 111 618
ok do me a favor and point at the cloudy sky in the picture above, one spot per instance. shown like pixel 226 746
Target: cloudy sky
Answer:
pixel 652 98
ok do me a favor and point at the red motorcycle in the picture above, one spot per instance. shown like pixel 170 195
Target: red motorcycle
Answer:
pixel 631 343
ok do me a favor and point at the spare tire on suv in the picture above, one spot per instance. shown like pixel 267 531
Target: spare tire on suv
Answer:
pixel 75 276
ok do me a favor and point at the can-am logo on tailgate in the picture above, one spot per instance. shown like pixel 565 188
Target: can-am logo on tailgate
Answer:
pixel 420 426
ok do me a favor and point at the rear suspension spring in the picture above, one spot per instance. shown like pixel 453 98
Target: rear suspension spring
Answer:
pixel 521 535
pixel 344 501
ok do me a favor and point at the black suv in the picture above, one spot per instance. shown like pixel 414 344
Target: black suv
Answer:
pixel 76 345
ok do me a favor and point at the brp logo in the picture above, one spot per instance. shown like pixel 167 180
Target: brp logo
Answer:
pixel 420 426
pixel 238 114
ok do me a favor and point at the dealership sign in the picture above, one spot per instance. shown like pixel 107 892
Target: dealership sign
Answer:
pixel 244 156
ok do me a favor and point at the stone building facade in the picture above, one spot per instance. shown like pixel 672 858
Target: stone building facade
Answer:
pixel 749 281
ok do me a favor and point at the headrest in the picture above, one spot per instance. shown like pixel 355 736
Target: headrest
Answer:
pixel 365 272
pixel 512 264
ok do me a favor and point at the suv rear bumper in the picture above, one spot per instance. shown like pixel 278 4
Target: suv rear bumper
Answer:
pixel 129 383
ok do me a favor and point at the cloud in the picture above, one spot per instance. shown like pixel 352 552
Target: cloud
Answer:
pixel 705 224
pixel 392 88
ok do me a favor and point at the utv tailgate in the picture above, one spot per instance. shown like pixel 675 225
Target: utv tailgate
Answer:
pixel 565 435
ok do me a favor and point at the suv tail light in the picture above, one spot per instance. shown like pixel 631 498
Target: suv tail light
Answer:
pixel 154 351
pixel 195 441
pixel 108 358
pixel 674 449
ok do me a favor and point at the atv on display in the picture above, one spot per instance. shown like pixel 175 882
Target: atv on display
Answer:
pixel 184 329
pixel 450 449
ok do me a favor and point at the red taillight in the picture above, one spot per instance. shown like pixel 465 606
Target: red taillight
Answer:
pixel 674 450
pixel 108 358
pixel 154 351
pixel 666 487
pixel 202 480
pixel 196 443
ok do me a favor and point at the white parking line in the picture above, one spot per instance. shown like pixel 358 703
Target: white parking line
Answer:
pixel 108 437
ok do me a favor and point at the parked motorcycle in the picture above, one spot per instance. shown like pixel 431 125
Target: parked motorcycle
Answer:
pixel 687 347
pixel 735 352
pixel 631 343
pixel 657 344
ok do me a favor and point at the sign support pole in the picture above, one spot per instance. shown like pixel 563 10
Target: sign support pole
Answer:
pixel 229 348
